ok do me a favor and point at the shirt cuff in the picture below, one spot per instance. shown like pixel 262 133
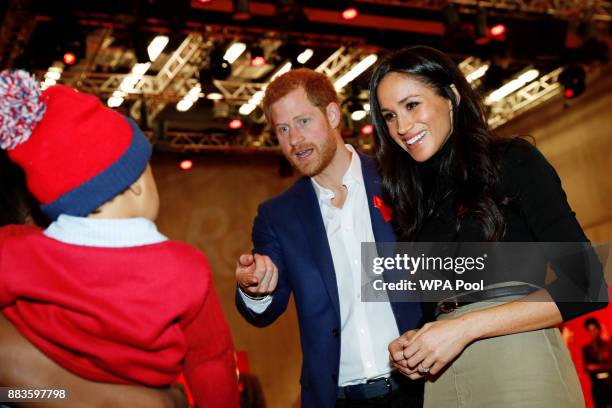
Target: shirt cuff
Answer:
pixel 256 305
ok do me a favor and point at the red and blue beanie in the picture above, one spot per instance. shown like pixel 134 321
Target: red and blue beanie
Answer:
pixel 77 154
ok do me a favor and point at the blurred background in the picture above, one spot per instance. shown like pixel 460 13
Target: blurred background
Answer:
pixel 192 74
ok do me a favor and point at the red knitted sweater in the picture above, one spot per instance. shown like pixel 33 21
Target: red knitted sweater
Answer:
pixel 134 315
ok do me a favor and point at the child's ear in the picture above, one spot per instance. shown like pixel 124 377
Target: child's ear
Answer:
pixel 136 187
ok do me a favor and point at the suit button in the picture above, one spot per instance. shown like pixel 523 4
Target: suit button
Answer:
pixel 335 332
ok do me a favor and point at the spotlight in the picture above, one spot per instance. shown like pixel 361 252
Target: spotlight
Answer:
pixel 367 129
pixel 156 46
pixel 350 13
pixel 498 31
pixel 69 58
pixel 358 115
pixel 186 164
pixel 219 68
pixel 257 56
pixel 214 96
pixel 305 55
pixel 234 51
pixel 235 124
pixel 572 78
pixel 241 10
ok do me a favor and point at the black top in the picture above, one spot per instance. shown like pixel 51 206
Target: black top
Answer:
pixel 535 209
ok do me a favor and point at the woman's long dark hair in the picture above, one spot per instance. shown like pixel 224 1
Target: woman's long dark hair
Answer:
pixel 469 161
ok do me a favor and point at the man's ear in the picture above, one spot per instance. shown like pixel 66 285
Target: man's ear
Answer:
pixel 333 114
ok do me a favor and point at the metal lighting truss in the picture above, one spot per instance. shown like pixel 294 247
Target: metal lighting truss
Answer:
pixel 521 100
pixel 237 92
pixel 172 81
pixel 525 98
pixel 176 77
pixel 598 9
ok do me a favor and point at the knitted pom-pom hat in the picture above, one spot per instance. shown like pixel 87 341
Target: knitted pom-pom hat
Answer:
pixel 76 153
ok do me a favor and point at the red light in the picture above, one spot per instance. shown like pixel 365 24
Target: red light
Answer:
pixel 186 164
pixel 69 58
pixel 235 124
pixel 498 30
pixel 350 13
pixel 258 61
pixel 204 1
pixel 367 129
pixel 568 93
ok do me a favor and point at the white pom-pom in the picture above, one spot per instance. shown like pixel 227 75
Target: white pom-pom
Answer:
pixel 21 107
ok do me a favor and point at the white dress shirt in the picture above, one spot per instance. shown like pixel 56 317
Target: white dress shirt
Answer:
pixel 367 327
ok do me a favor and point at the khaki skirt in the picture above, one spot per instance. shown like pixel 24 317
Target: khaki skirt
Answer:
pixel 531 369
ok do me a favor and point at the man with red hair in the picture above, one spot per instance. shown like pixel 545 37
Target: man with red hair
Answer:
pixel 308 241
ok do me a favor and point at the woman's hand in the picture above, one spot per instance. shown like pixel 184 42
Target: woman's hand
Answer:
pixel 431 348
pixel 396 355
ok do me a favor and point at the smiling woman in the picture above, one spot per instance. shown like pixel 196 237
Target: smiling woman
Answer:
pixel 419 120
pixel 448 179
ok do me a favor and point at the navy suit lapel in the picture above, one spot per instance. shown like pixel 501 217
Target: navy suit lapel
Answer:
pixel 307 206
pixel 407 314
pixel 383 231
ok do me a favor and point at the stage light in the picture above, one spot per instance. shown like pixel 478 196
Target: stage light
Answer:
pixel 54 73
pixel 220 68
pixel 69 58
pixel 234 51
pixel 510 87
pixel 156 46
pixel 573 81
pixel 258 62
pixel 350 13
pixel 367 129
pixel 355 71
pixel 189 99
pixel 477 73
pixel 214 96
pixel 204 1
pixel 71 40
pixel 498 31
pixel 305 56
pixel 114 101
pixel 257 56
pixel 235 124
pixel 282 70
pixel 358 115
pixel 186 164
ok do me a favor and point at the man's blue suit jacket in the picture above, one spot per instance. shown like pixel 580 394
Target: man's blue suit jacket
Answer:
pixel 290 230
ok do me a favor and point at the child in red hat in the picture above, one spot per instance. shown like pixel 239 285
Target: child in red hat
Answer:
pixel 101 291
